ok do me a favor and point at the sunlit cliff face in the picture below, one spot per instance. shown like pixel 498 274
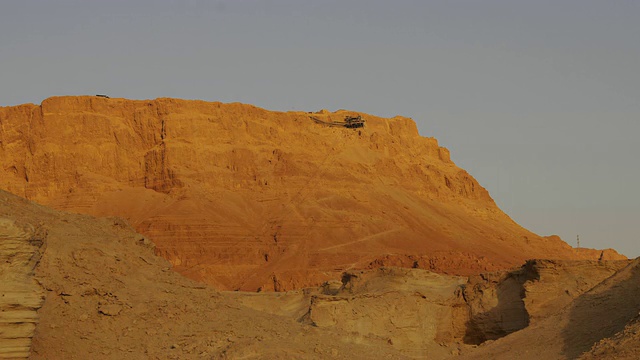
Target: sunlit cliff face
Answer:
pixel 244 198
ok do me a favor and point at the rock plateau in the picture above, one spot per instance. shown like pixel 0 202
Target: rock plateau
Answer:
pixel 243 198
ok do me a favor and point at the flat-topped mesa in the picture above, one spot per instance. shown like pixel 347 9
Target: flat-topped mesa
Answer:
pixel 117 131
pixel 246 198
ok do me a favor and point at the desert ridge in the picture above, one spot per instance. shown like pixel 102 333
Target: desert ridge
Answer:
pixel 243 198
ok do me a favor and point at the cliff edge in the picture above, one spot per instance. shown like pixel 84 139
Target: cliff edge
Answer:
pixel 244 198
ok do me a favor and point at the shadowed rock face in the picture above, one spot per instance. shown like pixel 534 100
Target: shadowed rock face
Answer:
pixel 504 302
pixel 244 198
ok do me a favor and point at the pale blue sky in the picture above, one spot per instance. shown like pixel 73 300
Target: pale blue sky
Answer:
pixel 539 100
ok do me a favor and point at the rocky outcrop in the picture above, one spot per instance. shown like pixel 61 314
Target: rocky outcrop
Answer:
pixel 444 262
pixel 504 302
pixel 557 283
pixel 158 176
pixel 593 323
pixel 21 246
pixel 244 198
pixel 428 315
pixel 417 312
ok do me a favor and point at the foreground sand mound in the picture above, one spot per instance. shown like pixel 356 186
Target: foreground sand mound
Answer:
pixel 107 296
pixel 244 198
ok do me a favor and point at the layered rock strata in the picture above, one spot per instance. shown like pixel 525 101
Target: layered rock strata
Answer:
pixel 244 198
pixel 21 246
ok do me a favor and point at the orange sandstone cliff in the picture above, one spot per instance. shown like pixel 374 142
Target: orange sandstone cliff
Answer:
pixel 244 198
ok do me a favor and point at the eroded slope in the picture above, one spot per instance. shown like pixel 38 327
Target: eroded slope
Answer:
pixel 608 310
pixel 107 296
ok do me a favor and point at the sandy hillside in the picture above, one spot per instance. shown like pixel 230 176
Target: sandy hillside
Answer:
pixel 78 287
pixel 107 296
pixel 244 198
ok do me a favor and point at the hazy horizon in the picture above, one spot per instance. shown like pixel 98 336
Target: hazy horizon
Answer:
pixel 537 100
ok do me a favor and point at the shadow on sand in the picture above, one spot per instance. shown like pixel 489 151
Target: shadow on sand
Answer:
pixel 603 311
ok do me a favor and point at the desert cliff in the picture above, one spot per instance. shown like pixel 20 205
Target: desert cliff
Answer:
pixel 349 243
pixel 244 198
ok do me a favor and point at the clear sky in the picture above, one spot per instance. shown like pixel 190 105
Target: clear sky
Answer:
pixel 539 100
